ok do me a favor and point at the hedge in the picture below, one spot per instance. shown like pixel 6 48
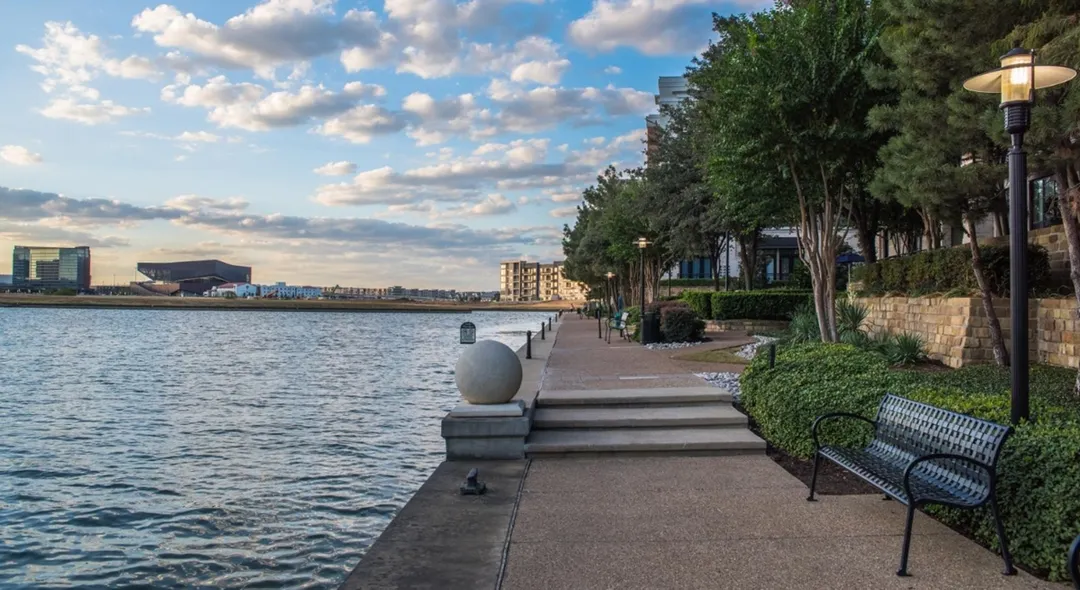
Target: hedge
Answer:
pixel 681 324
pixel 1039 470
pixel 688 282
pixel 757 305
pixel 699 301
pixel 945 269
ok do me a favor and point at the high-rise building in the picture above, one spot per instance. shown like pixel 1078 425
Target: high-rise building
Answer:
pixel 672 91
pixel 521 280
pixel 36 267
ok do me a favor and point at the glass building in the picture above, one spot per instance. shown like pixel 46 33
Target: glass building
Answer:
pixel 51 268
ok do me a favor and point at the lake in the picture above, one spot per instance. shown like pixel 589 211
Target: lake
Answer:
pixel 172 448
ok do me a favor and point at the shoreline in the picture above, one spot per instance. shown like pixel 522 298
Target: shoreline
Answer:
pixel 208 304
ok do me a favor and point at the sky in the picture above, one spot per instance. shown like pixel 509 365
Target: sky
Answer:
pixel 365 144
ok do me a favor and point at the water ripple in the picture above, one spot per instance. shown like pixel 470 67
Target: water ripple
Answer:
pixel 186 449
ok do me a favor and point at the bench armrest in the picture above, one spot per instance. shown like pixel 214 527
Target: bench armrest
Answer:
pixel 820 419
pixel 936 456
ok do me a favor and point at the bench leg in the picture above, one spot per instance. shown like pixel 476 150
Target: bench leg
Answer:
pixel 907 540
pixel 813 478
pixel 1009 569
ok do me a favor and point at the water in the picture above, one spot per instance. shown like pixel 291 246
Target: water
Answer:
pixel 171 448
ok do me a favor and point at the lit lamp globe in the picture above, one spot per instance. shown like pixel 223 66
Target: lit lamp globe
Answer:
pixel 488 372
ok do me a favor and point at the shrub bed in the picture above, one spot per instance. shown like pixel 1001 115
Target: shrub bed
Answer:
pixel 945 269
pixel 1039 471
pixel 681 324
pixel 757 305
pixel 699 301
pixel 660 306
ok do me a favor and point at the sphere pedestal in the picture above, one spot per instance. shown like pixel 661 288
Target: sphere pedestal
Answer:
pixel 488 372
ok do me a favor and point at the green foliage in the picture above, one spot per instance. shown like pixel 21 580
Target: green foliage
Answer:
pixel 633 315
pixel 850 316
pixel 945 269
pixel 661 306
pixel 1039 474
pixel 906 349
pixel 804 325
pixel 681 324
pixel 689 282
pixel 700 302
pixel 757 305
pixel 65 292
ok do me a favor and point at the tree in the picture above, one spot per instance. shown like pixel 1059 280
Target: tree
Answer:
pixel 941 162
pixel 683 205
pixel 789 96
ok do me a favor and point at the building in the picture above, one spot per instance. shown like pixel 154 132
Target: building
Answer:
pixel 48 268
pixel 240 290
pixel 672 91
pixel 5 280
pixel 194 277
pixel 283 291
pixel 521 280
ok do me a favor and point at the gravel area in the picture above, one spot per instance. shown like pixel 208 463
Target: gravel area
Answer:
pixel 728 381
pixel 747 352
pixel 671 345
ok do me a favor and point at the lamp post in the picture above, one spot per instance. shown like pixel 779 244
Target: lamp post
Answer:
pixel 611 292
pixel 642 243
pixel 1017 80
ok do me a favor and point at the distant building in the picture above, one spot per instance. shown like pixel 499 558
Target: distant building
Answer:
pixel 283 291
pixel 672 91
pixel 521 280
pixel 5 280
pixel 235 289
pixel 194 277
pixel 47 268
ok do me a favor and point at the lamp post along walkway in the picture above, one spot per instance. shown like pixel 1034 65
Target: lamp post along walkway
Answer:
pixel 1017 80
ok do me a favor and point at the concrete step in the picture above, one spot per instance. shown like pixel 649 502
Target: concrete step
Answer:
pixel 643 441
pixel 719 414
pixel 679 396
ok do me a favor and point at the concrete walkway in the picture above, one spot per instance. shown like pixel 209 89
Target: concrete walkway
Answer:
pixel 708 522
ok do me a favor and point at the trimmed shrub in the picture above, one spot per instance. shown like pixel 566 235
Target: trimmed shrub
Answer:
pixel 681 324
pixel 1039 471
pixel 699 301
pixel 660 306
pixel 758 305
pixel 946 269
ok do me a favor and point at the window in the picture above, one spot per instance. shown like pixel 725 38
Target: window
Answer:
pixel 1044 205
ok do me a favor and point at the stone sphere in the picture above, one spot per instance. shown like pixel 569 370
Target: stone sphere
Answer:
pixel 488 372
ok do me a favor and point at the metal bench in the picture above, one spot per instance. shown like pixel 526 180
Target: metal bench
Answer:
pixel 921 454
pixel 618 323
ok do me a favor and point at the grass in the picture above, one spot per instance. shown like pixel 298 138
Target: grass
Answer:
pixel 715 355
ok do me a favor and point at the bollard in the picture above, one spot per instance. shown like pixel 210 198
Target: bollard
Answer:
pixel 599 330
pixel 541 330
pixel 528 344
pixel 772 355
pixel 549 324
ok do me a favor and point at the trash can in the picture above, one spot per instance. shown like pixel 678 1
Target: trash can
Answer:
pixel 650 328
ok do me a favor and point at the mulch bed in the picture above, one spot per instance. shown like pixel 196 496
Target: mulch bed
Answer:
pixel 832 479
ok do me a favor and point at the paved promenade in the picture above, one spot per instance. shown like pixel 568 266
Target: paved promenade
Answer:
pixel 708 522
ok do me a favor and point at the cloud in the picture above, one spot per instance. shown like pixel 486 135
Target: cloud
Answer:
pixel 491 205
pixel 564 212
pixel 70 61
pixel 521 164
pixel 653 27
pixel 198 136
pixel 24 206
pixel 19 156
pixel 336 169
pixel 422 37
pixel 89 113
pixel 249 106
pixel 535 109
pixel 613 70
pixel 40 232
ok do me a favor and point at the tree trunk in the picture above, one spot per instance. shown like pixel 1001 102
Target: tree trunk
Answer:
pixel 748 257
pixel 1068 206
pixel 1001 356
pixel 866 228
pixel 714 261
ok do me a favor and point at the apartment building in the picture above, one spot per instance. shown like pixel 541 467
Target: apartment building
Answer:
pixel 521 280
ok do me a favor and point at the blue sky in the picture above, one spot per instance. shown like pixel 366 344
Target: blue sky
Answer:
pixel 411 142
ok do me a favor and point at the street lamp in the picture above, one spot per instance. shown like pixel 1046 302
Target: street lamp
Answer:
pixel 642 243
pixel 1017 80
pixel 611 300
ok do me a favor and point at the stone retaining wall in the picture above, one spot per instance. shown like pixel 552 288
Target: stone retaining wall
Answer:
pixel 957 332
pixel 1053 239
